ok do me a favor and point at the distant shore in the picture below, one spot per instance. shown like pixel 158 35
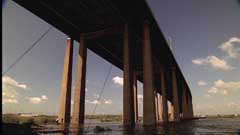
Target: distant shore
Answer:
pixel 47 119
pixel 26 124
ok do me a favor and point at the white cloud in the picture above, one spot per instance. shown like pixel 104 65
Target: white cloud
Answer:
pixel 202 83
pixel 224 92
pixel 9 101
pixel 35 100
pixel 44 97
pixel 207 95
pixel 10 81
pixel 107 101
pixel 223 88
pixel 9 94
pixel 103 101
pixel 38 100
pixel 92 102
pixel 231 47
pixel 214 62
pixel 228 85
pixel 118 80
pixel 233 104
pixel 140 96
pixel 96 95
pixel 213 90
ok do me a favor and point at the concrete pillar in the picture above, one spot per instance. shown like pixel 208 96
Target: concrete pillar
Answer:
pixel 156 105
pixel 164 105
pixel 190 106
pixel 128 94
pixel 159 97
pixel 176 116
pixel 184 103
pixel 135 96
pixel 187 104
pixel 79 96
pixel 149 117
pixel 171 113
pixel 65 99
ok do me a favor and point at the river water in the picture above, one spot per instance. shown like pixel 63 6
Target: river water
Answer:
pixel 216 126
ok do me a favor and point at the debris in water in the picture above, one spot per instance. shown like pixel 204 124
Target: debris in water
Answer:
pixel 101 129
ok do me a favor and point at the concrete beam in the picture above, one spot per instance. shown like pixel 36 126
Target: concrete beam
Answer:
pixel 149 110
pixel 118 29
pixel 79 96
pixel 128 93
pixel 65 99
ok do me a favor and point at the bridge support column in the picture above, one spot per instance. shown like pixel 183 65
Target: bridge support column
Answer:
pixel 149 112
pixel 128 93
pixel 159 98
pixel 185 107
pixel 156 105
pixel 65 99
pixel 190 106
pixel 163 100
pixel 171 111
pixel 79 96
pixel 135 96
pixel 176 116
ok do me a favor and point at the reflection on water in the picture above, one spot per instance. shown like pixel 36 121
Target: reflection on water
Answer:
pixel 226 126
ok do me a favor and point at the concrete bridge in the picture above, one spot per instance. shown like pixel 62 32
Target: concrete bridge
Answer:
pixel 128 36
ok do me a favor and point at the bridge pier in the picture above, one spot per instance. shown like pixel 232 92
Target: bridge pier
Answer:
pixel 128 93
pixel 163 99
pixel 159 107
pixel 65 99
pixel 190 106
pixel 171 111
pixel 175 102
pixel 135 89
pixel 155 108
pixel 156 105
pixel 185 107
pixel 79 96
pixel 149 112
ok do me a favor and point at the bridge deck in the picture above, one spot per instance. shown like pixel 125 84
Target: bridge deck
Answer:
pixel 106 18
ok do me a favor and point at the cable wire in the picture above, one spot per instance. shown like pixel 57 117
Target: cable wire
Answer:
pixel 29 49
pixel 101 92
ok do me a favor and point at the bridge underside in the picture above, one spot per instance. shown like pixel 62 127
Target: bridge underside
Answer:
pixel 103 23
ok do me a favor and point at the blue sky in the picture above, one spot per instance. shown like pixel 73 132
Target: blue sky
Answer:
pixel 204 37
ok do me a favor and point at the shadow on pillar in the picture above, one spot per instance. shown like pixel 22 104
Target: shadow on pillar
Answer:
pixel 79 95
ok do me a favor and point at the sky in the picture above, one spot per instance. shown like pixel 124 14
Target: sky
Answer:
pixel 204 37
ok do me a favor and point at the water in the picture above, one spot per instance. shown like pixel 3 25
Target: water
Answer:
pixel 216 126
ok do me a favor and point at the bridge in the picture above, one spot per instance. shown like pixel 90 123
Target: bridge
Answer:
pixel 128 36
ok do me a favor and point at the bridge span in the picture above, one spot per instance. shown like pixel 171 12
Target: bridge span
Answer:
pixel 128 36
